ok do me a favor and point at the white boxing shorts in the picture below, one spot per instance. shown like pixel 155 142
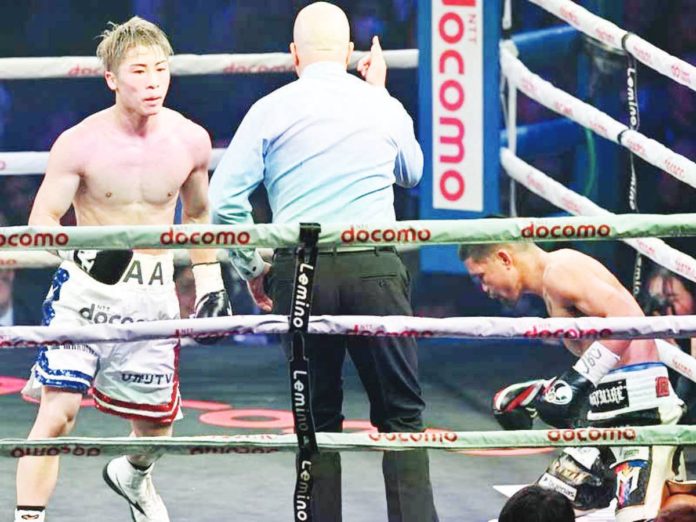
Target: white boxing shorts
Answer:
pixel 634 395
pixel 136 380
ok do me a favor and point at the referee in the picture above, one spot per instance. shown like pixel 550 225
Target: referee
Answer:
pixel 328 148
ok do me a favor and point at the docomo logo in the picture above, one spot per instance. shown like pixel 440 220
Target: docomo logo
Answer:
pixel 684 267
pixel 534 231
pixel 234 68
pixel 645 247
pixel 568 333
pixel 599 127
pixel 679 73
pixel 605 36
pixel 534 183
pixel 591 435
pixel 54 451
pixel 87 72
pixel 563 108
pixel 674 168
pixel 451 98
pixel 240 450
pixel 570 205
pixel 569 15
pixel 644 55
pixel 3 165
pixel 528 85
pixel 204 238
pixel 635 147
pixel 385 235
pixel 8 343
pixel 437 437
pixel 34 240
pixel 367 331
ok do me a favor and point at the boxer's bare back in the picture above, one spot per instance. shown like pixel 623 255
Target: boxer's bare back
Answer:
pixel 577 285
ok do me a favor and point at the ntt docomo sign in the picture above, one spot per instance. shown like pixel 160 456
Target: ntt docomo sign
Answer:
pixel 457 83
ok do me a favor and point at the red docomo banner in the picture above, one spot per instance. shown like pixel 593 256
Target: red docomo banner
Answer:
pixel 34 240
pixel 534 231
pixel 436 437
pixel 591 435
pixel 385 235
pixel 172 237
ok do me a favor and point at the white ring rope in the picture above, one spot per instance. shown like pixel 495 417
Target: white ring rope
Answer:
pixel 611 35
pixel 180 64
pixel 190 330
pixel 272 443
pixel 592 118
pixel 554 192
pixel 423 232
pixel 28 163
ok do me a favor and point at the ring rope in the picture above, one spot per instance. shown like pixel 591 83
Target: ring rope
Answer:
pixel 29 163
pixel 181 64
pixel 272 443
pixel 564 198
pixel 418 232
pixel 667 326
pixel 622 40
pixel 565 104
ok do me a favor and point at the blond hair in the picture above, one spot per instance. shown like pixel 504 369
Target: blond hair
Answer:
pixel 118 39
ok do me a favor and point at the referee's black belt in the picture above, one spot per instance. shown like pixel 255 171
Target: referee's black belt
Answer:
pixel 342 250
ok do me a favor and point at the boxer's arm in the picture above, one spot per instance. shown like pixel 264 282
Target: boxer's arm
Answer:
pixel 56 194
pixel 60 183
pixel 211 296
pixel 194 193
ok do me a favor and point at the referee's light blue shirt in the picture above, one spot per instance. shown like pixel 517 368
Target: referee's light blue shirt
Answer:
pixel 328 146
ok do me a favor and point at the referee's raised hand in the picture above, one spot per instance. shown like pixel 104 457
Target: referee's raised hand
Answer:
pixel 373 67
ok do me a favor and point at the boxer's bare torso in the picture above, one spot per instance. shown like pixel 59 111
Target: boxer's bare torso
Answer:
pixel 115 176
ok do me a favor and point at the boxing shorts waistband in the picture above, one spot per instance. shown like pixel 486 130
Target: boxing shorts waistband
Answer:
pixel 632 388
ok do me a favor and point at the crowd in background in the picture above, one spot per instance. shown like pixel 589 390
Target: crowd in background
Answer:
pixel 34 112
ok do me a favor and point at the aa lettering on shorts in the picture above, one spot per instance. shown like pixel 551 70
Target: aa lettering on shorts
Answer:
pixel 98 314
pixel 135 273
pixel 147 378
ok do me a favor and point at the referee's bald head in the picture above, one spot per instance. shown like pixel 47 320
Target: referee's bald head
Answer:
pixel 321 33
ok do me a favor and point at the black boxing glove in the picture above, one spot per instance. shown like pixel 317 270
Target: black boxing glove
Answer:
pixel 104 266
pixel 211 296
pixel 562 401
pixel 513 406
